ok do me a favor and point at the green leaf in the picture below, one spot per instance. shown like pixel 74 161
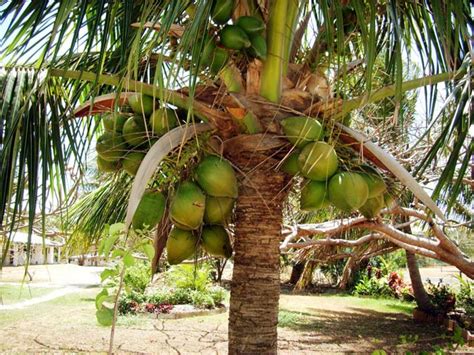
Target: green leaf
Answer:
pixel 109 242
pixel 128 260
pixel 99 302
pixel 98 299
pixel 117 253
pixel 105 316
pixel 117 228
pixel 104 275
pixel 149 251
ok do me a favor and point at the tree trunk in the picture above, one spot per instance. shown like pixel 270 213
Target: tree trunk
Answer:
pixel 255 289
pixel 296 272
pixel 348 273
pixel 421 297
pixel 306 278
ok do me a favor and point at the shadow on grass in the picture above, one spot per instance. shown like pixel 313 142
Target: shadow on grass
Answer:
pixel 299 321
pixel 373 330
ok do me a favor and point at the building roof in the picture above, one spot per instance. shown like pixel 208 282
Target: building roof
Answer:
pixel 22 238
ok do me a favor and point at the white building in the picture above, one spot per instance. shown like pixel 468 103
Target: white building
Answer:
pixel 17 252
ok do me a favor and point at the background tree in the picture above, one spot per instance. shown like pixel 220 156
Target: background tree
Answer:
pixel 64 52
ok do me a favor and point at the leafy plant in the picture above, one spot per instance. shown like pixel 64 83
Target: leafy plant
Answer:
pixel 372 287
pixel 137 277
pixel 465 296
pixel 442 297
pixel 190 277
pixel 119 246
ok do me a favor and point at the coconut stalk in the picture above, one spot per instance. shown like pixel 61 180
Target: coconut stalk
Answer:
pixel 292 17
pixel 277 44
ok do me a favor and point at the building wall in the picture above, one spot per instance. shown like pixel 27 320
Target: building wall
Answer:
pixel 17 255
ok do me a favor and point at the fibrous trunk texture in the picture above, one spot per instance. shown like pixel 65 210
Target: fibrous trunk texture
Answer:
pixel 255 286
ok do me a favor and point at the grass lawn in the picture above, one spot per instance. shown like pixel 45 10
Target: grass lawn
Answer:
pixel 10 294
pixel 307 324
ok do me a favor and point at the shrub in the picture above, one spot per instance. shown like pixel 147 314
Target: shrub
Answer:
pixel 372 287
pixel 442 297
pixel 180 296
pixel 138 276
pixel 189 277
pixel 218 294
pixel 202 299
pixel 130 302
pixel 465 296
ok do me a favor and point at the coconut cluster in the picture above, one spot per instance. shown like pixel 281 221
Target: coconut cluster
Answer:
pixel 245 34
pixel 128 135
pixel 199 210
pixel 325 183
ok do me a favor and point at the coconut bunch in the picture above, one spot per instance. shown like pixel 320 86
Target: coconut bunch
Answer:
pixel 199 210
pixel 244 35
pixel 128 135
pixel 325 183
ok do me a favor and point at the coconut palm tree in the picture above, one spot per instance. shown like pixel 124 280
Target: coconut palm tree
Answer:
pixel 312 58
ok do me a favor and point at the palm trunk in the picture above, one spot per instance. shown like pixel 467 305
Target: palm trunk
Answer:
pixel 421 297
pixel 255 286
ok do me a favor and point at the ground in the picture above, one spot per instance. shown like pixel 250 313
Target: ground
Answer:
pixel 308 324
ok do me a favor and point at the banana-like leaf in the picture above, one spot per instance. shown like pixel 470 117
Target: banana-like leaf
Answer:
pixel 155 155
pixel 386 161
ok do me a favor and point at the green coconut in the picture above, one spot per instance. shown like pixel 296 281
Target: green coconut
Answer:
pixel 215 240
pixel 131 162
pixel 314 196
pixel 318 161
pixel 187 206
pixel 111 146
pixel 181 245
pixel 302 130
pixel 114 122
pixel 219 60
pixel 372 206
pixel 162 120
pixel 221 11
pixel 258 46
pixel 216 177
pixel 250 24
pixel 134 133
pixel 106 166
pixel 233 37
pixel 290 164
pixel 375 183
pixel 218 209
pixel 150 210
pixel 141 104
pixel 348 191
